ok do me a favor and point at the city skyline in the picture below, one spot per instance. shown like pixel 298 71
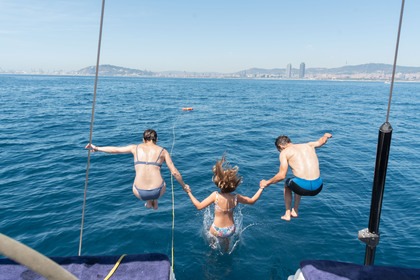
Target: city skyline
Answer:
pixel 363 72
pixel 205 37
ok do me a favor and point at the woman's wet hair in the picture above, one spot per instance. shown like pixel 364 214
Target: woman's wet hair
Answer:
pixel 226 177
pixel 150 135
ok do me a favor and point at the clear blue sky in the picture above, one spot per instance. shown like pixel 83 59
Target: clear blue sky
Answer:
pixel 219 35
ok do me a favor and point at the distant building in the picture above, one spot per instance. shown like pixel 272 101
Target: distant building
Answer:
pixel 302 71
pixel 289 70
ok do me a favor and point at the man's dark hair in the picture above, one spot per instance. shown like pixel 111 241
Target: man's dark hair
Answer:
pixel 282 140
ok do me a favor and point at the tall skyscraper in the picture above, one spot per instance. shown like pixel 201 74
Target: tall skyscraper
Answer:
pixel 289 70
pixel 302 71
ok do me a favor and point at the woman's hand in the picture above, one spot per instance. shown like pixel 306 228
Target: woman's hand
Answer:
pixel 92 147
pixel 187 188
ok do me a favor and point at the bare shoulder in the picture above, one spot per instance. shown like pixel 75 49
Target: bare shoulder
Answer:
pixel 164 152
pixel 213 195
pixel 284 155
pixel 290 151
pixel 313 144
pixel 140 146
pixel 132 147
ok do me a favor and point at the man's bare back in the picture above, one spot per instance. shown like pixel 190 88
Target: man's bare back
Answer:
pixel 302 160
pixel 304 163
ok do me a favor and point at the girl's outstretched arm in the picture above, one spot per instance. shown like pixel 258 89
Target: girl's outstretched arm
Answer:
pixel 247 200
pixel 203 204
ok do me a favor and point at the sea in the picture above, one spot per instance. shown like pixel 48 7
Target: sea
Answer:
pixel 46 121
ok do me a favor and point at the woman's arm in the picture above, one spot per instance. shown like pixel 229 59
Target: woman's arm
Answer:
pixel 247 200
pixel 203 204
pixel 173 169
pixel 111 149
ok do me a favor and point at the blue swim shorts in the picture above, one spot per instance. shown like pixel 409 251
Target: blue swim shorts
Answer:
pixel 305 187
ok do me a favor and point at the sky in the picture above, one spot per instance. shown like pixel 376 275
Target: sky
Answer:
pixel 206 36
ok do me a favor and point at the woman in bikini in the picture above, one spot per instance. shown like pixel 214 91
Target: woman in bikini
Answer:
pixel 227 180
pixel 148 158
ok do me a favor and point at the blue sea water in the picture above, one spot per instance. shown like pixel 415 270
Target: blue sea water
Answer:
pixel 44 126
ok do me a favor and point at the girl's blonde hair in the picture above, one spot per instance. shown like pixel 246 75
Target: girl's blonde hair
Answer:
pixel 226 177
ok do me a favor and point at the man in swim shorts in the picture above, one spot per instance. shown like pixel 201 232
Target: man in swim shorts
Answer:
pixel 304 163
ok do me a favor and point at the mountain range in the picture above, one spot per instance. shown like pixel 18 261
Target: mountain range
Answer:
pixel 363 69
pixel 348 69
pixel 370 71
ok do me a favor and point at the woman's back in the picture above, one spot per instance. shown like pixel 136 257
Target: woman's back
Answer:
pixel 148 159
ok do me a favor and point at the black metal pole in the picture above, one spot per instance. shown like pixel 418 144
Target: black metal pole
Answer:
pixel 382 154
pixel 370 235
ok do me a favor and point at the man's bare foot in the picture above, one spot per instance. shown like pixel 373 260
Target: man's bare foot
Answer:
pixel 286 216
pixel 293 213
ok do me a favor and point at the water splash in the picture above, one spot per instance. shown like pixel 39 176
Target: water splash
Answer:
pixel 217 243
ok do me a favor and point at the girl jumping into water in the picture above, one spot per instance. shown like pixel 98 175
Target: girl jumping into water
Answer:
pixel 226 178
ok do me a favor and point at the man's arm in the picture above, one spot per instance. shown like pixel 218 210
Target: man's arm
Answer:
pixel 321 141
pixel 281 175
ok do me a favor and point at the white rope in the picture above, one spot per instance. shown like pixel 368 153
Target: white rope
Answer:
pixel 173 196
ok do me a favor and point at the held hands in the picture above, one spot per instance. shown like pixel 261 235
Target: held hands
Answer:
pixel 263 184
pixel 187 188
pixel 92 147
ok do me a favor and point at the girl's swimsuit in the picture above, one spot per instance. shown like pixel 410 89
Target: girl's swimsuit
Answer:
pixel 224 231
pixel 152 193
